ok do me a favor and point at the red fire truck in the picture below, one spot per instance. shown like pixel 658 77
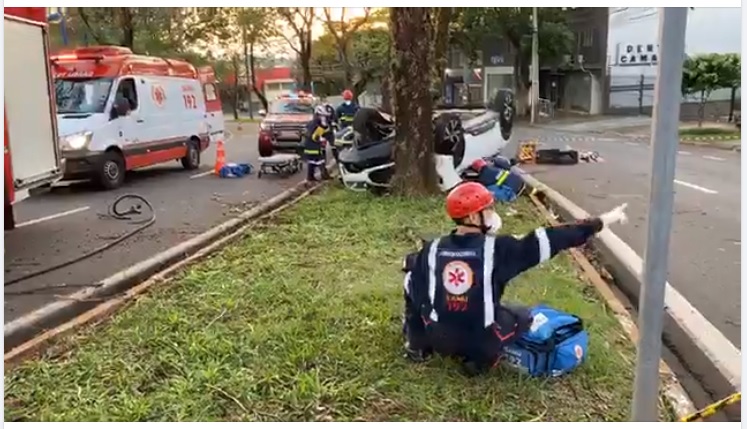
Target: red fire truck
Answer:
pixel 32 156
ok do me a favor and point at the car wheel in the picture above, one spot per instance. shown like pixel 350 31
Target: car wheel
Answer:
pixel 111 170
pixel 191 160
pixel 449 136
pixel 505 105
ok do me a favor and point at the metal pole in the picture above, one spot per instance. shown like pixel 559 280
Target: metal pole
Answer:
pixel 535 67
pixel 664 141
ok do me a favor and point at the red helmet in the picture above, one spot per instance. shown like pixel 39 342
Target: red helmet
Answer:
pixel 468 198
pixel 347 95
pixel 478 164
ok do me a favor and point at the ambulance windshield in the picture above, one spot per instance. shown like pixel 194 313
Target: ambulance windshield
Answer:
pixel 84 96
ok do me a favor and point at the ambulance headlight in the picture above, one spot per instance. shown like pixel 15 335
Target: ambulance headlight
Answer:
pixel 76 141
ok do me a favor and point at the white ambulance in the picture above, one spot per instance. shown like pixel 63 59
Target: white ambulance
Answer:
pixel 117 111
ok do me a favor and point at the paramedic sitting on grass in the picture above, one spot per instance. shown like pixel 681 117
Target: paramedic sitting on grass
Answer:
pixel 454 285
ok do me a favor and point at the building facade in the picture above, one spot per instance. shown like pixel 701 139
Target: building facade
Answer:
pixel 632 52
pixel 577 82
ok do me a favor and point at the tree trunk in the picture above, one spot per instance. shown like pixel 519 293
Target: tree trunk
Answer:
pixel 128 30
pixel 732 104
pixel 257 92
pixel 411 73
pixel 701 108
pixel 247 71
pixel 305 58
pixel 236 67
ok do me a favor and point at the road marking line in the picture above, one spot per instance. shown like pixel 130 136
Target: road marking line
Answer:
pixel 203 174
pixel 50 217
pixel 684 152
pixel 696 187
pixel 714 158
pixel 631 143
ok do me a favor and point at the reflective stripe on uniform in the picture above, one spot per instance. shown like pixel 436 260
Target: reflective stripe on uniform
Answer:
pixel 487 280
pixel 312 151
pixel 501 178
pixel 544 244
pixel 407 283
pixel 432 251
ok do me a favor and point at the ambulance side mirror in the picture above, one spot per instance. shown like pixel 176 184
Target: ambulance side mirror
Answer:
pixel 262 112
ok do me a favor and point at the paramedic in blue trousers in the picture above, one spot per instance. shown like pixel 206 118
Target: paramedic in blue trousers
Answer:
pixel 318 131
pixel 454 284
pixel 347 110
pixel 500 181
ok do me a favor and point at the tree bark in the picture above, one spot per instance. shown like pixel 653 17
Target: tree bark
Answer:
pixel 247 70
pixel 236 67
pixel 257 92
pixel 128 29
pixel 415 173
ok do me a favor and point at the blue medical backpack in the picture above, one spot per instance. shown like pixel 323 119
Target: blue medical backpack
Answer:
pixel 555 344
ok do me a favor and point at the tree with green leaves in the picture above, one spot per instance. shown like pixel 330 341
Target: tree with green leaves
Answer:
pixel 514 24
pixel 342 31
pixel 705 73
pixel 415 172
pixel 300 21
pixel 151 30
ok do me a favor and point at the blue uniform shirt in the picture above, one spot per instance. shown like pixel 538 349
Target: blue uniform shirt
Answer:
pixel 346 113
pixel 315 131
pixel 459 280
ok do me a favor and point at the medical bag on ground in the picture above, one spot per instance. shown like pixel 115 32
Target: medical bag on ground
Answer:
pixel 556 344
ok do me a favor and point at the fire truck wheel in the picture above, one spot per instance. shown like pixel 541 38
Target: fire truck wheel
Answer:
pixel 191 160
pixel 111 171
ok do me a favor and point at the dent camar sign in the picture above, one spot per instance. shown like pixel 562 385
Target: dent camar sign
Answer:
pixel 630 54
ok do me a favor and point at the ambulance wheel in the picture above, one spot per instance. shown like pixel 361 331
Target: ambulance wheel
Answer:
pixel 191 160
pixel 111 171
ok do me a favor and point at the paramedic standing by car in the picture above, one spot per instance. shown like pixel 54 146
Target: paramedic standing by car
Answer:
pixel 454 285
pixel 347 110
pixel 318 131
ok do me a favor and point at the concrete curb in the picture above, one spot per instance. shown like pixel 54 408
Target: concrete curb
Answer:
pixel 673 391
pixel 102 310
pixel 712 359
pixel 51 315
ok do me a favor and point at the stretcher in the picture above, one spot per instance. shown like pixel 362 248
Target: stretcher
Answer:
pixel 283 164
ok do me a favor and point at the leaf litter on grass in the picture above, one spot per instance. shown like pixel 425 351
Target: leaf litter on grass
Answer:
pixel 301 320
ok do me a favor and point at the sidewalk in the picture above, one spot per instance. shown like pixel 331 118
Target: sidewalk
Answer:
pixel 301 320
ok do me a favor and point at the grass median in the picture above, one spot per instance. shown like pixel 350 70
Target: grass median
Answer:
pixel 300 320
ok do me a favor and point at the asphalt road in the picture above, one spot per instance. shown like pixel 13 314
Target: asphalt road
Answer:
pixel 187 203
pixel 705 254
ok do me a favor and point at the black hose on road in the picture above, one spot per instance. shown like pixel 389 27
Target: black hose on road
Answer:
pixel 113 212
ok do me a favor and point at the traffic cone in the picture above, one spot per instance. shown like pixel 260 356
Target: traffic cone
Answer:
pixel 220 157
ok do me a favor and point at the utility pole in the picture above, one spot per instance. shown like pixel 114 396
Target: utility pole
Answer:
pixel 535 67
pixel 664 141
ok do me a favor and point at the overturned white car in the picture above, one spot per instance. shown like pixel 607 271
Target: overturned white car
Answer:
pixel 366 161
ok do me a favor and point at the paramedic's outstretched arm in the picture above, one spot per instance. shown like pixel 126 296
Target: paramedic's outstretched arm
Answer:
pixel 545 242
